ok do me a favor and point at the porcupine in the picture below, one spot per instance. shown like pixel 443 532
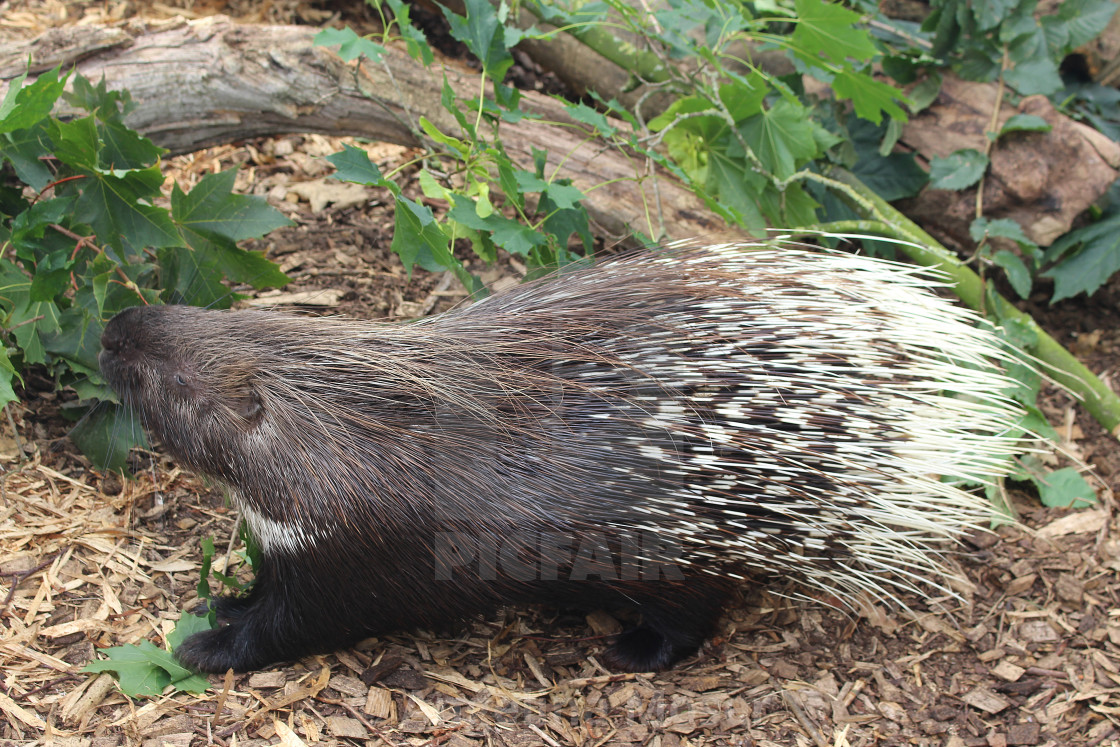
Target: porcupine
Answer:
pixel 646 433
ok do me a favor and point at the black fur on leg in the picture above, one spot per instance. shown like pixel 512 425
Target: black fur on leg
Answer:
pixel 675 622
pixel 265 626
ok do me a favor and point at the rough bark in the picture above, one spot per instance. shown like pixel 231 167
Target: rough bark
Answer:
pixel 212 81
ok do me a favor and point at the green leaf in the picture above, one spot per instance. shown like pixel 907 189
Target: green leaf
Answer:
pixel 7 376
pixel 1077 22
pixel 77 143
pixel 353 165
pixel 991 13
pixel 1024 123
pixel 870 97
pixel 1017 273
pixel 24 149
pixel 77 339
pixel 563 194
pixel 25 106
pixel 512 236
pixel 563 222
pixel 415 42
pixel 145 669
pixel 728 179
pixel 1034 76
pixel 832 31
pixel 581 112
pixel 482 31
pixel 418 238
pixel 213 208
pixel 781 137
pixel 351 46
pixel 1092 264
pixel 203 588
pixel 107 434
pixel 743 98
pixel 527 181
pixel 30 321
pixel 1004 228
pixel 686 105
pixel 188 625
pixel 194 275
pixel 1065 488
pixel 136 674
pixel 925 93
pixel 116 207
pixel 959 170
pixel 121 148
pixel 104 104
pixel 893 176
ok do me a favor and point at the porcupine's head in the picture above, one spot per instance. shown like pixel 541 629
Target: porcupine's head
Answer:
pixel 194 381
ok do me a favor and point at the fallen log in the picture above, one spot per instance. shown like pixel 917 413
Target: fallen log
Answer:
pixel 201 83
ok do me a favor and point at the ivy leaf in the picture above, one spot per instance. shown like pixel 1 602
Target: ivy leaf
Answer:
pixel 830 30
pixel 958 170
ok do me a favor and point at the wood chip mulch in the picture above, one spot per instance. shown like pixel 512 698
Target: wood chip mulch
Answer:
pixel 87 560
pixel 90 561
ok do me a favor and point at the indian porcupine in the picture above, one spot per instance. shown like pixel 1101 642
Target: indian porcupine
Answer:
pixel 646 433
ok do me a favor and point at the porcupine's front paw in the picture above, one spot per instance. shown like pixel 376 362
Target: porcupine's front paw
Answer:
pixel 231 646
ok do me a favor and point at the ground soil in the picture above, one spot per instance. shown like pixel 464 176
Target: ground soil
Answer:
pixel 1030 656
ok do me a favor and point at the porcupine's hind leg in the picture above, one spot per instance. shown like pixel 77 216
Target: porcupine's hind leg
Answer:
pixel 674 624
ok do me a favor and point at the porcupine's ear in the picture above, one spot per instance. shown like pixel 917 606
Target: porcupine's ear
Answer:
pixel 246 402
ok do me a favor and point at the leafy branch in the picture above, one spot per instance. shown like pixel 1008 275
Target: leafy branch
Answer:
pixel 84 234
